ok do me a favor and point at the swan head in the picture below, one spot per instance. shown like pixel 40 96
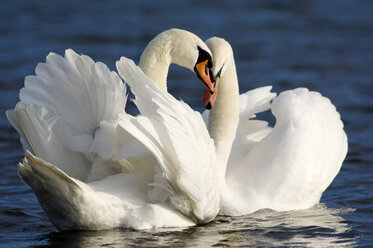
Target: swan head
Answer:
pixel 222 53
pixel 189 51
pixel 177 46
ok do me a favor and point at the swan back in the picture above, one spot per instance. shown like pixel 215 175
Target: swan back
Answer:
pixel 296 161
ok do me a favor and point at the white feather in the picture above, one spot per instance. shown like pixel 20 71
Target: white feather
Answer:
pixel 286 167
pixel 172 132
pixel 116 201
pixel 91 172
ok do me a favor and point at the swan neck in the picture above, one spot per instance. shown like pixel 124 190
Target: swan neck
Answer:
pixel 223 118
pixel 156 59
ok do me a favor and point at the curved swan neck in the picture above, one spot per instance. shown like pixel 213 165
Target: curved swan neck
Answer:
pixel 156 59
pixel 223 118
pixel 173 46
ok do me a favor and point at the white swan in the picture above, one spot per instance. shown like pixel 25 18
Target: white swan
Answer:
pixel 68 115
pixel 283 168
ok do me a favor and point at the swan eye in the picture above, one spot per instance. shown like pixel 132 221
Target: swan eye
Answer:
pixel 203 69
pixel 203 55
pixel 219 72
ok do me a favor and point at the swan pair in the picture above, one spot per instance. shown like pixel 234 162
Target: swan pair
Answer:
pixel 97 167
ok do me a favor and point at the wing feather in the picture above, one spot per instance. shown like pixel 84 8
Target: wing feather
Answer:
pixel 177 137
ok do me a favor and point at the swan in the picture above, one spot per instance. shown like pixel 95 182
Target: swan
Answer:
pixel 286 167
pixel 89 173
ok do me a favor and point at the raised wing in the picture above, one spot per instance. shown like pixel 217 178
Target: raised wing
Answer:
pixel 292 165
pixel 250 130
pixel 78 90
pixel 70 105
pixel 37 127
pixel 178 139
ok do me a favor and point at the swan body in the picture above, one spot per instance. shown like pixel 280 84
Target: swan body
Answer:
pixel 286 167
pixel 116 201
pixel 96 167
pixel 87 171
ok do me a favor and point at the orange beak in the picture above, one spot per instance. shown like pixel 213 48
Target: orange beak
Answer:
pixel 203 73
pixel 209 98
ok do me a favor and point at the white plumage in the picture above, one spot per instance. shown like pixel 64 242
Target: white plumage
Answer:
pixel 286 167
pixel 90 172
pixel 172 132
pixel 98 167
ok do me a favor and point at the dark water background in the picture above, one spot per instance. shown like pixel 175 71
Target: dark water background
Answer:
pixel 326 46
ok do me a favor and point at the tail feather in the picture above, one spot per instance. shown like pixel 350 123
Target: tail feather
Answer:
pixel 38 128
pixel 58 194
pixel 34 170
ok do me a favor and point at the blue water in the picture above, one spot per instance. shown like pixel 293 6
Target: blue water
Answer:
pixel 326 46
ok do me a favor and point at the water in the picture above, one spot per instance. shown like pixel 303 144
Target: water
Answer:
pixel 326 46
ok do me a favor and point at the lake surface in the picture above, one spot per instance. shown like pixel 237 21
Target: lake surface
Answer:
pixel 326 46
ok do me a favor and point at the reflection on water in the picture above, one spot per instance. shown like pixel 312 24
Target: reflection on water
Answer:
pixel 316 227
